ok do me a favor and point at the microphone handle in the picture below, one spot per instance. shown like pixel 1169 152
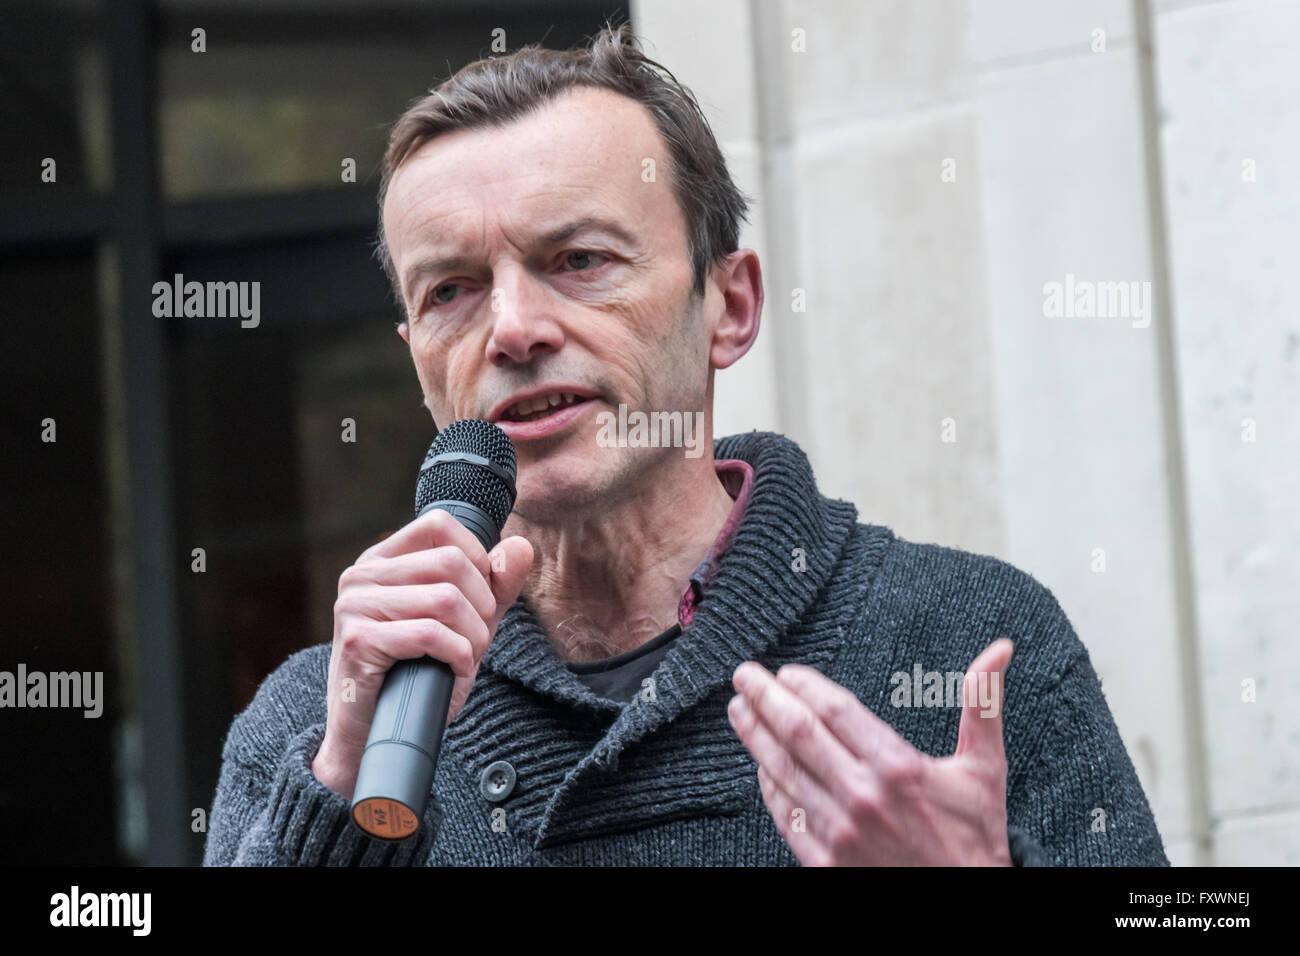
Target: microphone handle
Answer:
pixel 395 779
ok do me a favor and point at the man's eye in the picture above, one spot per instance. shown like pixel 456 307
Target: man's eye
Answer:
pixel 442 294
pixel 582 260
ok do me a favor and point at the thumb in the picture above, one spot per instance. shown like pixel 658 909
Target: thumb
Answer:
pixel 980 732
pixel 511 560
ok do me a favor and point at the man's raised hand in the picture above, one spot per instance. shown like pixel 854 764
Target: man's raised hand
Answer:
pixel 845 789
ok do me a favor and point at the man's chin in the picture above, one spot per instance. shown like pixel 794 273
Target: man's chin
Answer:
pixel 556 483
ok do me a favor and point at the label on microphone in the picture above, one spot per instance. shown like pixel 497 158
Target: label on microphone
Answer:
pixel 386 819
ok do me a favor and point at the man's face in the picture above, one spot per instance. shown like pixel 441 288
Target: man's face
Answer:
pixel 535 257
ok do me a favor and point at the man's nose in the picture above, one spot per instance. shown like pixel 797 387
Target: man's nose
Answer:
pixel 524 323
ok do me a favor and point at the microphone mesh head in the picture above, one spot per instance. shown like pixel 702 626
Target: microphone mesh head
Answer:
pixel 466 481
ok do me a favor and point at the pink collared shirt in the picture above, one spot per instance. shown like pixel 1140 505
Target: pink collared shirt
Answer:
pixel 738 478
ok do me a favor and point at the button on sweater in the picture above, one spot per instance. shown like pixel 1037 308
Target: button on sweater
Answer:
pixel 663 779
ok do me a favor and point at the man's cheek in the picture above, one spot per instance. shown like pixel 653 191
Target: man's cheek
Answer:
pixel 431 377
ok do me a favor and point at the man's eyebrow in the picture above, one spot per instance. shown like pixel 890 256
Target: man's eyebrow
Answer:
pixel 559 234
pixel 590 222
pixel 427 266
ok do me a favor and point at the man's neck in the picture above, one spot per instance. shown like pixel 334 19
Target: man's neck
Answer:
pixel 605 585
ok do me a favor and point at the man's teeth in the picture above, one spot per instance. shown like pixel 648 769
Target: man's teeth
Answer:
pixel 531 409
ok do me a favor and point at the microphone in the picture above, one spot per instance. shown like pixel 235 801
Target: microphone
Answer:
pixel 469 472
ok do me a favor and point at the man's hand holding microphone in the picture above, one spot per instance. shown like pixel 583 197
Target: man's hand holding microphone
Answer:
pixel 428 589
pixel 414 616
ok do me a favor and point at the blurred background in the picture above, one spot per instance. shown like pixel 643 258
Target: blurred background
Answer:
pixel 922 170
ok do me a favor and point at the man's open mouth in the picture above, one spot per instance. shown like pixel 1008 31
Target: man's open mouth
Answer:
pixel 533 409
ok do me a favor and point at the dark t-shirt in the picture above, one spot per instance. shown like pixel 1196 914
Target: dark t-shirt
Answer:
pixel 619 677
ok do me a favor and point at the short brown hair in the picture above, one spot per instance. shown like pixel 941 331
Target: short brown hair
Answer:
pixel 497 90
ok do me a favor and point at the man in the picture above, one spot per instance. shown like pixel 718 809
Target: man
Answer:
pixel 669 658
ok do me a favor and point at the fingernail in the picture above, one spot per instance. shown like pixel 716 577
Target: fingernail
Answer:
pixel 736 709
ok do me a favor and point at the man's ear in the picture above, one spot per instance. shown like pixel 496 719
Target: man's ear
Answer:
pixel 741 280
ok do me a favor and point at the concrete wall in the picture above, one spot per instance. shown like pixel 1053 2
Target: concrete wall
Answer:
pixel 922 169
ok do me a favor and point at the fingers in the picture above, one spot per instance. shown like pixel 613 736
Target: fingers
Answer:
pixel 852 723
pixel 790 740
pixel 818 809
pixel 980 731
pixel 431 530
pixel 371 648
pixel 510 562
pixel 365 655
pixel 448 563
pixel 792 823
pixel 414 638
pixel 443 602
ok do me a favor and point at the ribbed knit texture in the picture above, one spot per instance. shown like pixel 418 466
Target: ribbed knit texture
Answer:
pixel 666 781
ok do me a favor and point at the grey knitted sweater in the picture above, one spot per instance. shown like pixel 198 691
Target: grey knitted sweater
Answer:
pixel 580 780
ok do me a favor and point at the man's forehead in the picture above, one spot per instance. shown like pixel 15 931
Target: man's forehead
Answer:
pixel 587 145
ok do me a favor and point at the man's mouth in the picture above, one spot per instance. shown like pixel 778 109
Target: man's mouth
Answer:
pixel 543 406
